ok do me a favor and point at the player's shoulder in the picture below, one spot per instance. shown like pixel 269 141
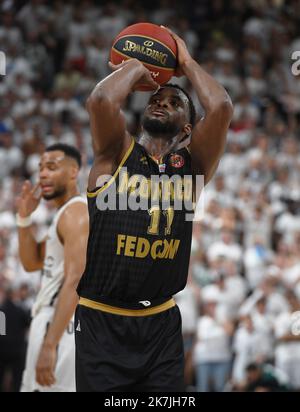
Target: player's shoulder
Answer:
pixel 77 205
pixel 72 219
pixel 74 211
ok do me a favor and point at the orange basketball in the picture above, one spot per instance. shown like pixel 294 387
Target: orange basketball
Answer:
pixel 152 45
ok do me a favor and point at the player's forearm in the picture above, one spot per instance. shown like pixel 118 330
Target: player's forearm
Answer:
pixel 65 308
pixel 29 250
pixel 118 85
pixel 211 94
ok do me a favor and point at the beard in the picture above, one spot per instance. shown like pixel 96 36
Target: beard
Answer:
pixel 157 127
pixel 54 195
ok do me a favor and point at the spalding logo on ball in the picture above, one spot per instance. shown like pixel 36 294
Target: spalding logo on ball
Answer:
pixel 150 44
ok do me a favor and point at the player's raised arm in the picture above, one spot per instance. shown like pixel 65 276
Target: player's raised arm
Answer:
pixel 108 126
pixel 209 134
pixel 31 252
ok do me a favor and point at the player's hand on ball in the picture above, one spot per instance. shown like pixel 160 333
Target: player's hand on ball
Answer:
pixel 29 199
pixel 145 80
pixel 183 55
pixel 128 62
pixel 46 365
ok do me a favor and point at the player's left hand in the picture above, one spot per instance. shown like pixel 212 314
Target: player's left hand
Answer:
pixel 182 51
pixel 145 80
pixel 46 365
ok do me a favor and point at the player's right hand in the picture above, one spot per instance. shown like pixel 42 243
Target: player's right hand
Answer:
pixel 29 199
pixel 144 80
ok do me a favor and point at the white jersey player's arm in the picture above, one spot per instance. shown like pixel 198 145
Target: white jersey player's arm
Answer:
pixel 73 228
pixel 32 253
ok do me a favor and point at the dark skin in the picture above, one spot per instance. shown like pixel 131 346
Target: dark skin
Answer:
pixel 111 139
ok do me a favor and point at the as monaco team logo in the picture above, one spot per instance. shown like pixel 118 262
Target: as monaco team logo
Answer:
pixel 177 161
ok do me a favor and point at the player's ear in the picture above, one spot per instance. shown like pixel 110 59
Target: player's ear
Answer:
pixel 187 129
pixel 74 170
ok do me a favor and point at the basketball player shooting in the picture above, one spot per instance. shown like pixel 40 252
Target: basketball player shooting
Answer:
pixel 129 328
pixel 50 361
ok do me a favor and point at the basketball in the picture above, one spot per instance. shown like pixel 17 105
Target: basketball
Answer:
pixel 150 44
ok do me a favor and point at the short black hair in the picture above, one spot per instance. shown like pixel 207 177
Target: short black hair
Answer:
pixel 69 151
pixel 191 103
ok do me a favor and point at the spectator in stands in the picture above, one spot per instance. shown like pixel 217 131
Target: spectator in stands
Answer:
pixel 212 352
pixel 287 352
pixel 260 379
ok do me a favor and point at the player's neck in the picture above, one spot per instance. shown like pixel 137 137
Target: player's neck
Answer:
pixel 158 146
pixel 60 201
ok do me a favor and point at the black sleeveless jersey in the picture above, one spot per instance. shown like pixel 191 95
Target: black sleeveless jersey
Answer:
pixel 140 239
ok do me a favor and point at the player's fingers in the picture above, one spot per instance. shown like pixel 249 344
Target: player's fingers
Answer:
pixel 49 378
pixel 37 191
pixel 39 377
pixel 44 377
pixel 167 28
pixel 118 66
pixel 26 187
pixel 170 31
pixel 175 36
pixel 148 85
pixel 178 72
pixel 152 82
pixel 53 380
pixel 114 66
pixel 35 188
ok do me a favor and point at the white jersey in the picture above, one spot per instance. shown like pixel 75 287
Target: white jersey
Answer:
pixel 53 270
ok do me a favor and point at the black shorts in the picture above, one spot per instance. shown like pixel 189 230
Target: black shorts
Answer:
pixel 123 353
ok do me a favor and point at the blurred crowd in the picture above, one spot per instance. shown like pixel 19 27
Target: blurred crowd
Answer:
pixel 241 308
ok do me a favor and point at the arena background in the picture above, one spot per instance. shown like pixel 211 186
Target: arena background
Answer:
pixel 241 307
